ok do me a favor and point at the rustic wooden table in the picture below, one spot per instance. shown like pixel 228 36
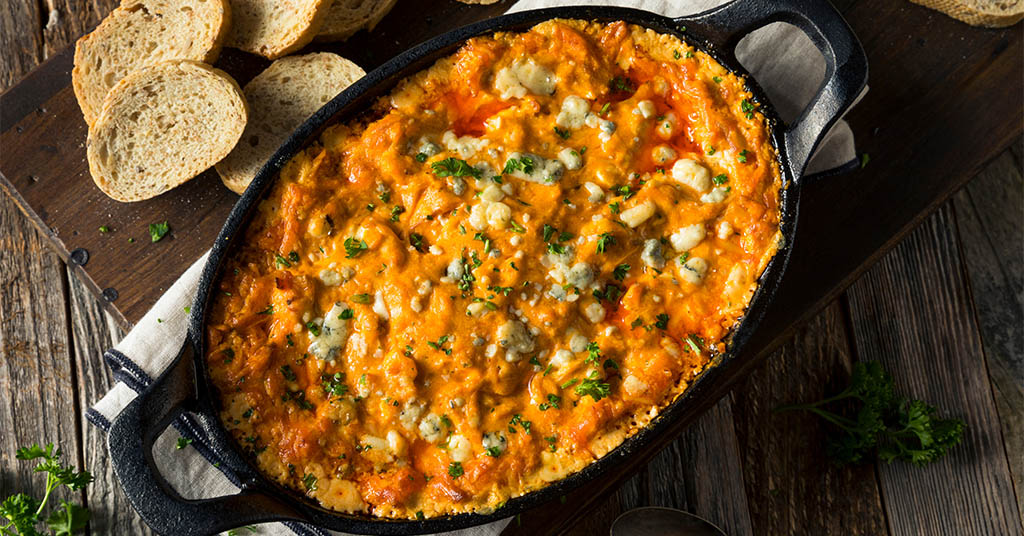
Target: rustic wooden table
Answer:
pixel 927 280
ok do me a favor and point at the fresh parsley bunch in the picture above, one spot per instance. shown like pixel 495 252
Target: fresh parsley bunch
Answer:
pixel 892 427
pixel 21 513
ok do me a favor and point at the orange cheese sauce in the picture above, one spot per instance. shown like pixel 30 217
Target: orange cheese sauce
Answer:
pixel 522 255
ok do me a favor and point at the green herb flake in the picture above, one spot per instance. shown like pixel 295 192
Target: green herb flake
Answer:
pixel 455 470
pixel 454 167
pixel 354 247
pixel 158 230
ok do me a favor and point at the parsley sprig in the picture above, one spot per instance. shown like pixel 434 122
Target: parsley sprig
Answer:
pixel 890 426
pixel 21 512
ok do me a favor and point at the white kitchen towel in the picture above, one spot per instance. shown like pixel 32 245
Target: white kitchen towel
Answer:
pixel 780 57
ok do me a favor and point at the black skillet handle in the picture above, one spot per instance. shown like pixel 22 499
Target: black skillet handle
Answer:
pixel 846 71
pixel 130 441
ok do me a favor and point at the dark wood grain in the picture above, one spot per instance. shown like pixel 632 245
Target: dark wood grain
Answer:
pixel 792 488
pixel 93 330
pixel 920 289
pixel 990 220
pixel 37 376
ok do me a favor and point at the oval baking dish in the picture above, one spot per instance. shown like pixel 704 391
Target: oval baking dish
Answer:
pixel 188 387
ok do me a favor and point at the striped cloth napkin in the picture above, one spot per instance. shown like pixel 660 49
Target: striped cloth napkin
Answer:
pixel 779 56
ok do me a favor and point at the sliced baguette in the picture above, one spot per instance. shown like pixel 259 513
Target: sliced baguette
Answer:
pixel 280 99
pixel 274 28
pixel 163 125
pixel 346 17
pixel 141 33
pixel 990 13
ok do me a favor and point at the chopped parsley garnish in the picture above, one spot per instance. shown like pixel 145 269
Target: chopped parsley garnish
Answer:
pixel 593 387
pixel 675 54
pixel 743 156
pixel 518 419
pixel 493 452
pixel 662 321
pixel 288 373
pixel 551 442
pixel 593 353
pixel 747 108
pixel 523 163
pixel 694 342
pixel 562 133
pixel 620 272
pixel 720 179
pixel 454 167
pixel 604 240
pixel 416 240
pixel 717 79
pixel 610 293
pixel 553 402
pixel 362 298
pixel 354 247
pixel 439 345
pixel 313 328
pixel 625 191
pixel 711 151
pixel 547 231
pixel 182 443
pixel 615 207
pixel 334 385
pixel 604 109
pixel 516 228
pixel 346 314
pixel 309 481
pixel 620 83
pixel 268 311
pixel 396 211
pixel 455 470
pixel 483 238
pixel 569 383
pixel 104 229
pixel 689 54
pixel 281 261
pixel 421 157
pixel 556 249
pixel 158 230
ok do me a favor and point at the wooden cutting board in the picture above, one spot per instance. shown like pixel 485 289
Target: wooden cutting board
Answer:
pixel 945 99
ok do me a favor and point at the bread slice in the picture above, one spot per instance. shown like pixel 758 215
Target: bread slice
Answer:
pixel 281 98
pixel 274 28
pixel 141 33
pixel 163 125
pixel 346 17
pixel 990 13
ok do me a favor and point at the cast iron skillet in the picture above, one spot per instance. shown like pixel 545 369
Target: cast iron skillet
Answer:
pixel 185 386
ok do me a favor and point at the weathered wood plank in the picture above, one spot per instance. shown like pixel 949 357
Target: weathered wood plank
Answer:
pixel 37 376
pixel 93 331
pixel 912 312
pixel 989 221
pixel 20 39
pixel 699 472
pixel 792 488
pixel 64 21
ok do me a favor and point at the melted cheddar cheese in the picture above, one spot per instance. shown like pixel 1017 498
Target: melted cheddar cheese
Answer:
pixel 509 266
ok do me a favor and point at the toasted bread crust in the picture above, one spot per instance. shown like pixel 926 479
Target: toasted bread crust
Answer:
pixel 161 126
pixel 273 29
pixel 140 33
pixel 281 98
pixel 346 17
pixel 970 12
